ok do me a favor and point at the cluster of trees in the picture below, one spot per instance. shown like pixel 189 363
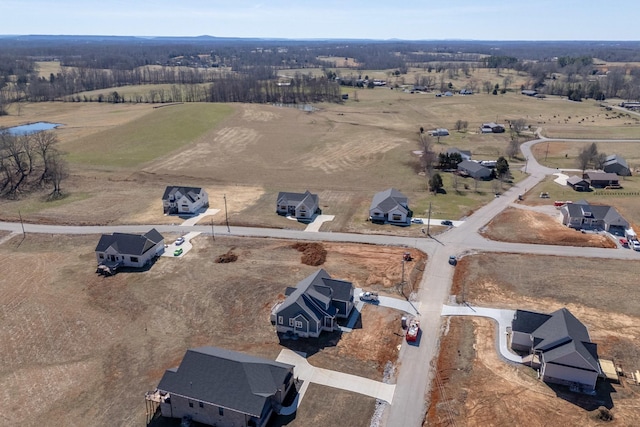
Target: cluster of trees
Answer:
pixel 589 156
pixel 30 161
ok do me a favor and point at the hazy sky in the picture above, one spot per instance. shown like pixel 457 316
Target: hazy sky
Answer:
pixel 408 19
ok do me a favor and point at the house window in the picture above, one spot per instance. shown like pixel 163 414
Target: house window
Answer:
pixel 298 324
pixel 377 214
pixel 280 320
pixel 190 404
pixel 290 322
pixel 201 404
pixel 221 412
pixel 283 208
pixel 134 259
pixel 101 256
pixel 397 217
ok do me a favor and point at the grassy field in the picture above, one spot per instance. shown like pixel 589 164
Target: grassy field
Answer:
pixel 81 347
pixel 564 155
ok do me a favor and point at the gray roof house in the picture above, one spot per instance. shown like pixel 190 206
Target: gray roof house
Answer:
pixel 491 127
pixel 474 169
pixel 223 388
pixel 582 215
pixel 302 206
pixel 562 344
pixel 577 183
pixel 390 206
pixel 313 306
pixel 184 200
pixel 601 179
pixel 616 164
pixel 465 154
pixel 128 250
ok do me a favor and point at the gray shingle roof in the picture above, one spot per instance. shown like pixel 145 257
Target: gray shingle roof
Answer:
pixel 608 214
pixel 528 321
pixel 472 167
pixel 613 159
pixel 307 197
pixel 226 378
pixel 129 244
pixel 190 192
pixel 388 200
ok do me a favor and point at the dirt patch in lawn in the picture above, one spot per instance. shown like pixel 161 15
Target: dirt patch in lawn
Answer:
pixel 475 387
pixel 80 346
pixel 526 226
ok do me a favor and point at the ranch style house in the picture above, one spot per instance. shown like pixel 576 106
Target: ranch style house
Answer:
pixel 582 215
pixel 223 388
pixel 302 206
pixel 390 206
pixel 129 250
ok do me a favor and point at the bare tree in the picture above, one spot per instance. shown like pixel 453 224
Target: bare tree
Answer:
pixel 58 172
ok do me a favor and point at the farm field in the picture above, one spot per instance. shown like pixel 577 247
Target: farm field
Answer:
pixel 602 301
pixel 564 154
pixel 95 345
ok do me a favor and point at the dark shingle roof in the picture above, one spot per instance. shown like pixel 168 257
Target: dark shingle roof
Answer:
pixel 388 200
pixel 528 321
pixel 608 214
pixel 472 167
pixel 190 192
pixel 615 159
pixel 297 198
pixel 129 244
pixel 226 378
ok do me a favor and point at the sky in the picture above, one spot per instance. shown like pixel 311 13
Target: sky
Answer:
pixel 329 19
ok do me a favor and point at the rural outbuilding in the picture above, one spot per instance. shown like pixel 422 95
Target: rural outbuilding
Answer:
pixel 313 306
pixel 491 128
pixel 302 206
pixel 561 343
pixel 390 206
pixel 602 179
pixel 223 388
pixel 616 164
pixel 128 250
pixel 184 200
pixel 577 183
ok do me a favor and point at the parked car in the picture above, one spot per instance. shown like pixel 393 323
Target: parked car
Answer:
pixel 447 222
pixel 624 242
pixel 178 252
pixel 417 220
pixel 369 296
pixel 636 245
pixel 179 241
pixel 453 260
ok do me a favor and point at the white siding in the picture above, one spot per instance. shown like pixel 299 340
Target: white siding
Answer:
pixel 567 375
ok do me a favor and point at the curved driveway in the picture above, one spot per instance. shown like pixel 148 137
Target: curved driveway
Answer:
pixel 416 362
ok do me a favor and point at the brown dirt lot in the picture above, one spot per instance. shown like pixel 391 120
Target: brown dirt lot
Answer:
pixel 478 388
pixel 81 349
pixel 525 226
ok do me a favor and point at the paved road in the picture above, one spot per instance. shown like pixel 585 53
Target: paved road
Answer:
pixel 415 362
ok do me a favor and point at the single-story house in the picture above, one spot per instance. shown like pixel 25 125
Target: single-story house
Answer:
pixel 299 205
pixel 581 215
pixel 616 164
pixel 491 128
pixel 529 92
pixel 562 344
pixel 577 183
pixel 223 388
pixel 601 179
pixel 390 206
pixel 184 200
pixel 439 132
pixel 464 154
pixel 129 250
pixel 474 169
pixel 313 306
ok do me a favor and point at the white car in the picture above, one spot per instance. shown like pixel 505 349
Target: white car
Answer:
pixel 179 241
pixel 369 296
pixel 635 245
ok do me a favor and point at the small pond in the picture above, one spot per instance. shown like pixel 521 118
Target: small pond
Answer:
pixel 32 128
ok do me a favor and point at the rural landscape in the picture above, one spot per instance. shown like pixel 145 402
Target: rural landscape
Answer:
pixel 448 187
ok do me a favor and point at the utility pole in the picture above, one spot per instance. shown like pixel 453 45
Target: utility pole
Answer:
pixel 21 224
pixel 546 153
pixel 213 236
pixel 226 215
pixel 429 219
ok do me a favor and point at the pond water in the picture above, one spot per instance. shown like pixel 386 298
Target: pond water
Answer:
pixel 32 128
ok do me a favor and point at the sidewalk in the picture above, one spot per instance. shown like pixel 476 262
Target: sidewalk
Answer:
pixel 503 317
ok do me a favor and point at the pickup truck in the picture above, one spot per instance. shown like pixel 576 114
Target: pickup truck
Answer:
pixel 369 296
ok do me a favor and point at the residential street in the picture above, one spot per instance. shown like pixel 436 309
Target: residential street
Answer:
pixel 415 362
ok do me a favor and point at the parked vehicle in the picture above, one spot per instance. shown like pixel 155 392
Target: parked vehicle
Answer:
pixel 369 296
pixel 407 256
pixel 179 241
pixel 417 220
pixel 624 242
pixel 413 330
pixel 453 260
pixel 447 223
pixel 635 245
pixel 178 252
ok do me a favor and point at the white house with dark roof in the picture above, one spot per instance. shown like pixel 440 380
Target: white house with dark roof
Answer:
pixel 390 206
pixel 562 345
pixel 314 305
pixel 129 250
pixel 616 164
pixel 223 388
pixel 302 206
pixel 184 200
pixel 582 215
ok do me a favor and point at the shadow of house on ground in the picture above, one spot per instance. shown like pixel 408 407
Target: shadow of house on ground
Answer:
pixel 604 389
pixel 310 346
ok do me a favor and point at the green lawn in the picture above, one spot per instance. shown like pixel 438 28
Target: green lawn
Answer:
pixel 154 135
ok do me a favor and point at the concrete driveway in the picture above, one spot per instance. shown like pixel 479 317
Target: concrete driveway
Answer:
pixel 186 246
pixel 317 222
pixel 403 305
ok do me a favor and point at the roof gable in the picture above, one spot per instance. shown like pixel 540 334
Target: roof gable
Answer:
pixel 129 244
pixel 388 200
pixel 178 191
